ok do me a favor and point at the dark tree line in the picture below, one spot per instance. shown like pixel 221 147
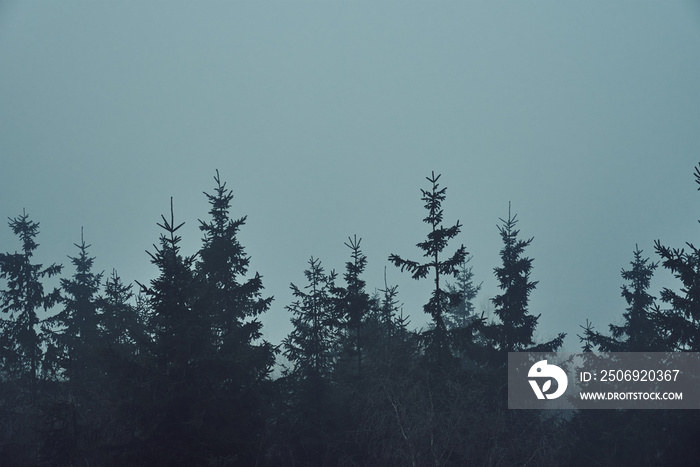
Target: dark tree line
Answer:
pixel 177 372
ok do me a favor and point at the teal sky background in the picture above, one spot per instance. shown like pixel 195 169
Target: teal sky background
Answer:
pixel 326 117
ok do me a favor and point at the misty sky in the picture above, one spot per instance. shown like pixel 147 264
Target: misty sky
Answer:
pixel 326 117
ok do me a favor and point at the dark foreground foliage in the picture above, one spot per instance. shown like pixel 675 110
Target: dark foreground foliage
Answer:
pixel 177 372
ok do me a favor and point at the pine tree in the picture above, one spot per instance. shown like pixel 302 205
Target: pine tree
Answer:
pixel 681 323
pixel 131 377
pixel 647 437
pixel 176 324
pixel 168 402
pixel 462 314
pixel 438 238
pixel 24 296
pixel 74 331
pixel 121 325
pixel 638 333
pixel 389 308
pixel 355 301
pixel 231 301
pixel 312 344
pixel 399 344
pixel 463 323
pixel 639 327
pixel 517 326
pixel 240 361
pixel 387 339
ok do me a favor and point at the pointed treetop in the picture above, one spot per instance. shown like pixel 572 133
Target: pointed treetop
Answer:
pixel 353 243
pixel 82 245
pixel 168 226
pixel 26 230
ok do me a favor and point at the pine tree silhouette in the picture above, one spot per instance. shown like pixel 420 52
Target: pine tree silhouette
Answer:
pixel 517 326
pixel 74 331
pixel 312 344
pixel 231 301
pixel 682 322
pixel 178 345
pixel 121 326
pixel 639 332
pixel 355 301
pixel 437 241
pixel 238 361
pixel 24 296
pixel 463 314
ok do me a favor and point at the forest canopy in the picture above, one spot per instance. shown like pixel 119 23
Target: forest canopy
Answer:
pixel 178 371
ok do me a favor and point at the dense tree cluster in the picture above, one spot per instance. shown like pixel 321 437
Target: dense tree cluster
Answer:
pixel 177 371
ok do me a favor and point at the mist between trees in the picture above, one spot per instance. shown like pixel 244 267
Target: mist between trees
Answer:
pixel 178 372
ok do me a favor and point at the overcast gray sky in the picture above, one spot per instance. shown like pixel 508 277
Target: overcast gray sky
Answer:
pixel 325 118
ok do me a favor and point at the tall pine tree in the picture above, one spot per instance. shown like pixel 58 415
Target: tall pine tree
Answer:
pixel 177 326
pixel 438 237
pixel 21 300
pixel 682 322
pixel 516 328
pixel 355 300
pixel 169 408
pixel 231 303
pixel 74 331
